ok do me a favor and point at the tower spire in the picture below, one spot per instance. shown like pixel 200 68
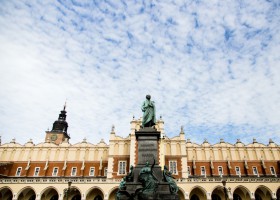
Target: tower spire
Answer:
pixel 64 108
pixel 58 132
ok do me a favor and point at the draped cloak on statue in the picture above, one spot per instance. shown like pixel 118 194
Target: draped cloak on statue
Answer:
pixel 149 113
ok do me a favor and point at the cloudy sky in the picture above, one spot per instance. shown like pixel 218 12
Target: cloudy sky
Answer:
pixel 210 66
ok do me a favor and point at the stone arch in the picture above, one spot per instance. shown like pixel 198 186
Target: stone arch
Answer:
pixel 263 193
pixel 199 192
pixel 6 193
pixel 278 193
pixel 116 148
pixel 26 193
pixel 241 192
pixel 96 154
pixel 95 193
pixel 181 194
pixel 218 193
pixel 168 149
pixel 126 149
pixel 112 193
pixel 49 193
pixel 178 149
pixel 74 194
pixel 105 153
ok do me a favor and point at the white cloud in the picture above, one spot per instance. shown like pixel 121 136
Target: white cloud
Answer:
pixel 211 67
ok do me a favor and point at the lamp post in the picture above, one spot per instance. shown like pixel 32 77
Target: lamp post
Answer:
pixel 67 190
pixel 225 189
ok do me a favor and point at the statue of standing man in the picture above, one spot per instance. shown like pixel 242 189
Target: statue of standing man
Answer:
pixel 149 112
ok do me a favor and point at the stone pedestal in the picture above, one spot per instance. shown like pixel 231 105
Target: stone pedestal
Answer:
pixel 148 145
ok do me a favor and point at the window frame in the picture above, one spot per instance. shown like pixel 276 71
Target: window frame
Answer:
pixel 57 169
pixel 274 172
pixel 189 171
pixel 91 171
pixel 18 172
pixel 238 174
pixel 204 169
pixel 255 173
pixel 172 168
pixel 122 167
pixel 72 169
pixel 36 174
pixel 221 173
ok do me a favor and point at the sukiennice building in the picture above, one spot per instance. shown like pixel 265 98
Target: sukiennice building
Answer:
pixel 57 169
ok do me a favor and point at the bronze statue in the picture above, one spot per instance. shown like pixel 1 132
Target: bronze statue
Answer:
pixel 167 177
pixel 149 112
pixel 122 187
pixel 148 180
pixel 129 177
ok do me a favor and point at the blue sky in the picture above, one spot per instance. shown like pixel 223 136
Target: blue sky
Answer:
pixel 210 66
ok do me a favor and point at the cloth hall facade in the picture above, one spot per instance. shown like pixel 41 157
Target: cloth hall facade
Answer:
pixel 56 169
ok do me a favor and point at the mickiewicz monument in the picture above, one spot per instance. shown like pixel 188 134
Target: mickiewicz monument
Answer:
pixel 149 112
pixel 146 181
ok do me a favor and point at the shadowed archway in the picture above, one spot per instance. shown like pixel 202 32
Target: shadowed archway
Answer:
pixel 95 194
pixel 6 193
pixel 49 193
pixel 27 194
pixel 218 194
pixel 263 193
pixel 198 193
pixel 181 194
pixel 241 193
pixel 113 193
pixel 74 194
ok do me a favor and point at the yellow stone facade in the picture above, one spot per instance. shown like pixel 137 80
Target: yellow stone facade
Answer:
pixel 43 171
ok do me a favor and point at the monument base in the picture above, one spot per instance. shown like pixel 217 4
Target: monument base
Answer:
pixel 148 146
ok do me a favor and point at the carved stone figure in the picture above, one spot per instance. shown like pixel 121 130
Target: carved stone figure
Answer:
pixel 149 112
pixel 167 176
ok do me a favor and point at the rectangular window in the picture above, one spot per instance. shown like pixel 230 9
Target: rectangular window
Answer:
pixel 203 172
pixel 272 170
pixel 105 171
pixel 55 171
pixel 74 171
pixel 91 171
pixel 237 170
pixel 18 171
pixel 37 170
pixel 255 171
pixel 173 167
pixel 220 170
pixel 189 170
pixel 122 167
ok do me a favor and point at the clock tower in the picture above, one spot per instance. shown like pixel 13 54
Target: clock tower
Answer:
pixel 59 130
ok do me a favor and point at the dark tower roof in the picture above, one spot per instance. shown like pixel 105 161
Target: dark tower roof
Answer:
pixel 61 125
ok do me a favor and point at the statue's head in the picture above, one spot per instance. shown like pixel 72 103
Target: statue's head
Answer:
pixel 131 166
pixel 165 167
pixel 147 163
pixel 148 96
